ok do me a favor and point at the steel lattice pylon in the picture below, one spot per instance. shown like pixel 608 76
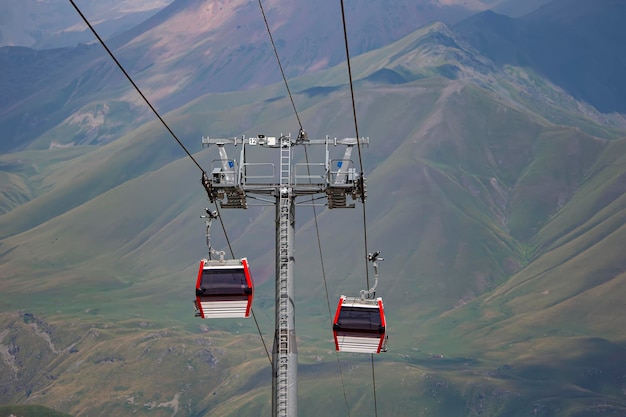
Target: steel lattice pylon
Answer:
pixel 230 183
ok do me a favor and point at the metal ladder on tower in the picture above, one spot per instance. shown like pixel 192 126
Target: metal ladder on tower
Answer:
pixel 283 290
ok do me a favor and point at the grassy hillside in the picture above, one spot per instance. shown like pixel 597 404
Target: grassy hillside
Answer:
pixel 500 222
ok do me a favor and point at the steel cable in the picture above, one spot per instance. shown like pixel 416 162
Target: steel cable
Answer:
pixel 171 133
pixel 356 128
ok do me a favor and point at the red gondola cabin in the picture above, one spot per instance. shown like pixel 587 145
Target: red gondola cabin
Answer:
pixel 359 325
pixel 224 289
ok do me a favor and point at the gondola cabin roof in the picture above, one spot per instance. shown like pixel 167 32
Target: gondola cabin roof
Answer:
pixel 224 289
pixel 360 326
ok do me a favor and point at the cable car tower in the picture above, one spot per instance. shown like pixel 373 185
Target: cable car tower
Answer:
pixel 231 183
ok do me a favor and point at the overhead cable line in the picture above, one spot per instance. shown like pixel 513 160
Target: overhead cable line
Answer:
pixel 282 72
pixel 374 386
pixel 232 254
pixel 93 30
pixel 330 313
pixel 356 125
pixel 356 128
pixel 319 242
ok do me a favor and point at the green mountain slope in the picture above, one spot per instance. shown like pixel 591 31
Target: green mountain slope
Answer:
pixel 496 198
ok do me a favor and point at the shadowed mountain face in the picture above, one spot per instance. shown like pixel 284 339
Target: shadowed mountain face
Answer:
pixel 571 42
pixel 496 198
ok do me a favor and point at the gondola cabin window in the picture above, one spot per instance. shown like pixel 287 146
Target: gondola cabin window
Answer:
pixel 360 319
pixel 224 281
